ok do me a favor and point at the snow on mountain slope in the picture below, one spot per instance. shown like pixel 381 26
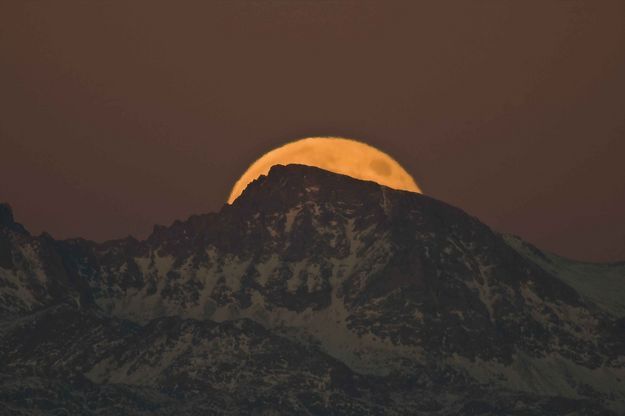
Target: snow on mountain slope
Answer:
pixel 33 272
pixel 70 359
pixel 603 284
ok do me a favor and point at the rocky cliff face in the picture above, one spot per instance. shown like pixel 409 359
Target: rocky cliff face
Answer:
pixel 312 293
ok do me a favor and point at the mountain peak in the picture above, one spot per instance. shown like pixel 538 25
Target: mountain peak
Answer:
pixel 286 185
pixel 7 220
pixel 6 215
pixel 311 175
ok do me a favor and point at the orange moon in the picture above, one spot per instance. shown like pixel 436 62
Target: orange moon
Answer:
pixel 335 154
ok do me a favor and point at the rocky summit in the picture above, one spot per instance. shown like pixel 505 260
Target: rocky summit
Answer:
pixel 313 294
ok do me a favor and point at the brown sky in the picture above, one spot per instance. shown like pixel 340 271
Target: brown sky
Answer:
pixel 118 115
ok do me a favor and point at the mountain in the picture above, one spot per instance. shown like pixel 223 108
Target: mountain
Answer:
pixel 313 293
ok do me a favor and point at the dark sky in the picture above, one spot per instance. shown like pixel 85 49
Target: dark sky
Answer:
pixel 118 115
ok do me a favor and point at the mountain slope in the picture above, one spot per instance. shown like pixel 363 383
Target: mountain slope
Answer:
pixel 602 284
pixel 387 285
pixel 77 360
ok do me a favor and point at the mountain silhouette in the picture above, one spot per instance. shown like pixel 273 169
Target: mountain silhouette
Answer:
pixel 313 293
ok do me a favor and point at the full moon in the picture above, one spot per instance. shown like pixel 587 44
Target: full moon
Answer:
pixel 335 154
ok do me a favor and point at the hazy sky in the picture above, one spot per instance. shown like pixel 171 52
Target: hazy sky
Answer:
pixel 118 115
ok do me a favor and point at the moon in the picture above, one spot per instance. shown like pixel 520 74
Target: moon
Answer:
pixel 335 154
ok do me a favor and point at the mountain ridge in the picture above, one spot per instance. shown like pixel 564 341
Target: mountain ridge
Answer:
pixel 400 288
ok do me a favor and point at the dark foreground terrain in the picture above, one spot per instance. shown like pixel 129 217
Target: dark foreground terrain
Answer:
pixel 313 293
